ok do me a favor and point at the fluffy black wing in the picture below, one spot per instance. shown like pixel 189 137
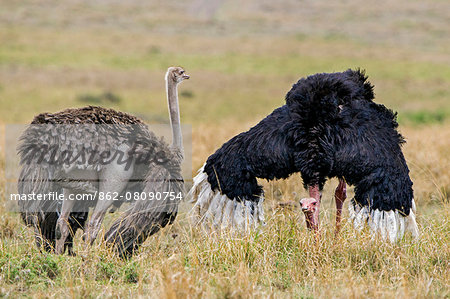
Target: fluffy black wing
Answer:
pixel 265 151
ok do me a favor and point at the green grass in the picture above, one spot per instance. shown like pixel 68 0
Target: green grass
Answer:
pixel 46 69
pixel 59 76
pixel 425 117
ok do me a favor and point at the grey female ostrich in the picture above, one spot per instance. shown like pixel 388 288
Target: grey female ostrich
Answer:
pixel 106 153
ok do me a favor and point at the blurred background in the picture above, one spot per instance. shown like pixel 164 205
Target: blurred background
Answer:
pixel 243 56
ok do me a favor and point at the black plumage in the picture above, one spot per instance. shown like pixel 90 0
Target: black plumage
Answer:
pixel 265 151
pixel 341 133
pixel 329 127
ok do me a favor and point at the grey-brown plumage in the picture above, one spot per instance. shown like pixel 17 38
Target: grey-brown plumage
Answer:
pixel 147 217
pixel 96 128
pixel 89 132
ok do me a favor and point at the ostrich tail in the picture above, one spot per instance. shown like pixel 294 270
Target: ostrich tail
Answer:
pixel 211 208
pixel 388 224
pixel 39 214
pixel 42 215
pixel 34 179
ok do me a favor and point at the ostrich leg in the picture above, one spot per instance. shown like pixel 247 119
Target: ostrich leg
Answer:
pixel 340 195
pixel 62 225
pixel 113 180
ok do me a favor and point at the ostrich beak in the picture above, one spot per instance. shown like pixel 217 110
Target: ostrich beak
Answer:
pixel 185 77
pixel 308 205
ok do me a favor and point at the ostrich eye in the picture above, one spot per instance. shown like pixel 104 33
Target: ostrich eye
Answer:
pixel 181 72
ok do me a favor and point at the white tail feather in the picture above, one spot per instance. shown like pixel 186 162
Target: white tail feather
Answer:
pixel 373 224
pixel 391 226
pixel 388 224
pixel 213 208
pixel 261 210
pixel 411 224
pixel 227 218
pixel 413 206
pixel 239 219
pixel 256 214
pixel 205 197
pixel 219 212
pixel 361 219
pixel 248 215
pixel 382 225
pixel 401 225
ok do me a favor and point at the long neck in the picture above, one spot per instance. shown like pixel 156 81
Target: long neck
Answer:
pixel 174 111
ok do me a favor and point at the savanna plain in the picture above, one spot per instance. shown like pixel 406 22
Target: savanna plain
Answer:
pixel 242 58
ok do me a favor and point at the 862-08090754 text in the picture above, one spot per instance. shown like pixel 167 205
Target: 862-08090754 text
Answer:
pixel 128 196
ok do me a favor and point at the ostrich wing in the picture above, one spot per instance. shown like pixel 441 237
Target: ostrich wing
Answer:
pixel 226 190
pixel 383 188
pixel 146 217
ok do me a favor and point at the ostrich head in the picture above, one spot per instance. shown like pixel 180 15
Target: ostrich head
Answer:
pixel 176 74
pixel 308 205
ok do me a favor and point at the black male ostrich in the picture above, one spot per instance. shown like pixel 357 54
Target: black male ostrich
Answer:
pixel 329 127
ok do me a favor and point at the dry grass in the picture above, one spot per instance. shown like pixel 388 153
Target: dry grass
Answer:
pixel 242 58
pixel 281 260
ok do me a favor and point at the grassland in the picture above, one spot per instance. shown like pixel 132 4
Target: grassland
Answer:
pixel 242 59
